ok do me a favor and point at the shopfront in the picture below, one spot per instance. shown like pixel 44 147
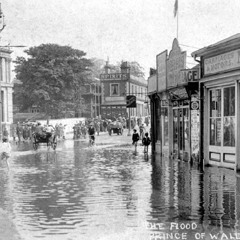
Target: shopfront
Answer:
pixel 221 105
pixel 177 119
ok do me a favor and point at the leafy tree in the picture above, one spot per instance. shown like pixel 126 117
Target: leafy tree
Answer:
pixel 136 69
pixel 52 78
pixel 97 67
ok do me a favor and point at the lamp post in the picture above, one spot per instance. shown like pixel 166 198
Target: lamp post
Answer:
pixel 2 26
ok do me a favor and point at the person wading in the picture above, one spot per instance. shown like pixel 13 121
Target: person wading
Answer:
pixel 135 138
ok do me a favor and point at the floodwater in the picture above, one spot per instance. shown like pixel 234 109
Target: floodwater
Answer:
pixel 87 193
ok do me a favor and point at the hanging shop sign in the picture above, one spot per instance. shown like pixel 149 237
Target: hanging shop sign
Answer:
pixel 222 62
pixel 178 94
pixel 175 64
pixel 131 101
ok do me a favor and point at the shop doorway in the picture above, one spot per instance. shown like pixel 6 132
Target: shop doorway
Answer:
pixel 181 133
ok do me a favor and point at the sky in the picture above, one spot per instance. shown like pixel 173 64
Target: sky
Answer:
pixel 129 30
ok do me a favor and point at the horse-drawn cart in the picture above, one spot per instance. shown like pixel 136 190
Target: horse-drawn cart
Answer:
pixel 115 127
pixel 49 140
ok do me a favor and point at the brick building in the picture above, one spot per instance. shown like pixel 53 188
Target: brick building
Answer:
pixel 116 86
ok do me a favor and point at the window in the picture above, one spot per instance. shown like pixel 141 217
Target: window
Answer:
pixel 229 117
pixel 222 117
pixel 215 117
pixel 114 89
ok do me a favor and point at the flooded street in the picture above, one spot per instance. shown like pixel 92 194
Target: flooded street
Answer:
pixel 107 192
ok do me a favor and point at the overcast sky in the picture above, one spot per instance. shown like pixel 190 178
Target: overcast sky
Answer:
pixel 131 30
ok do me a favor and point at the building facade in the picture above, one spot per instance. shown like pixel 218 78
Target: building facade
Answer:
pixel 115 88
pixel 6 88
pixel 92 99
pixel 174 106
pixel 220 105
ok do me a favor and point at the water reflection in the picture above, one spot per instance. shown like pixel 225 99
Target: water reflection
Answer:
pixel 78 192
pixel 184 195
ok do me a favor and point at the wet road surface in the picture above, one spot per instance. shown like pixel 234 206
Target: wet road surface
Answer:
pixel 108 192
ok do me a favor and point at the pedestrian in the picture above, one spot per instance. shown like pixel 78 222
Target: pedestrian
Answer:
pixel 13 132
pixel 135 138
pixel 19 131
pixel 98 127
pixel 91 133
pixel 5 150
pixel 142 131
pixel 105 125
pixel 146 142
pixel 39 130
pixel 5 132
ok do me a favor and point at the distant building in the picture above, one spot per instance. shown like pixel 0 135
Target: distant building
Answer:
pixel 116 86
pixel 92 99
pixel 6 87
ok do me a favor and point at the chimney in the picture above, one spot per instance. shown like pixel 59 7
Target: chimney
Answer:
pixel 125 68
pixel 152 71
pixel 107 67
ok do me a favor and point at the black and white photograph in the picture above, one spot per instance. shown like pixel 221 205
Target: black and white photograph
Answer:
pixel 119 120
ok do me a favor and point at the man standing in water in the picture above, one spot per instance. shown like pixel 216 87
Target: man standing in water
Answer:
pixel 91 133
pixel 135 139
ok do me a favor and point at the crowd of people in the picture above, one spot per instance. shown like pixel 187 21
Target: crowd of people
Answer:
pixel 24 131
pixel 91 127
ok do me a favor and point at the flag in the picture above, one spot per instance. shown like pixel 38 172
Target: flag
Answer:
pixel 175 8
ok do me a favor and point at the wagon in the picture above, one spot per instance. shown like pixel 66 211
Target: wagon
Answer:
pixel 44 139
pixel 115 127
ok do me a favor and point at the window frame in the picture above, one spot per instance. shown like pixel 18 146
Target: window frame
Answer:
pixel 221 117
pixel 118 90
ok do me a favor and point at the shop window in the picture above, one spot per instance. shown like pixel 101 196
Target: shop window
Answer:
pixel 215 117
pixel 229 117
pixel 222 121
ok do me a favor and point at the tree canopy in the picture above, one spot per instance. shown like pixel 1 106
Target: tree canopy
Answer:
pixel 135 68
pixel 52 78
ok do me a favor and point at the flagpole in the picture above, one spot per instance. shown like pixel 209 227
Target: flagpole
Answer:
pixel 176 11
